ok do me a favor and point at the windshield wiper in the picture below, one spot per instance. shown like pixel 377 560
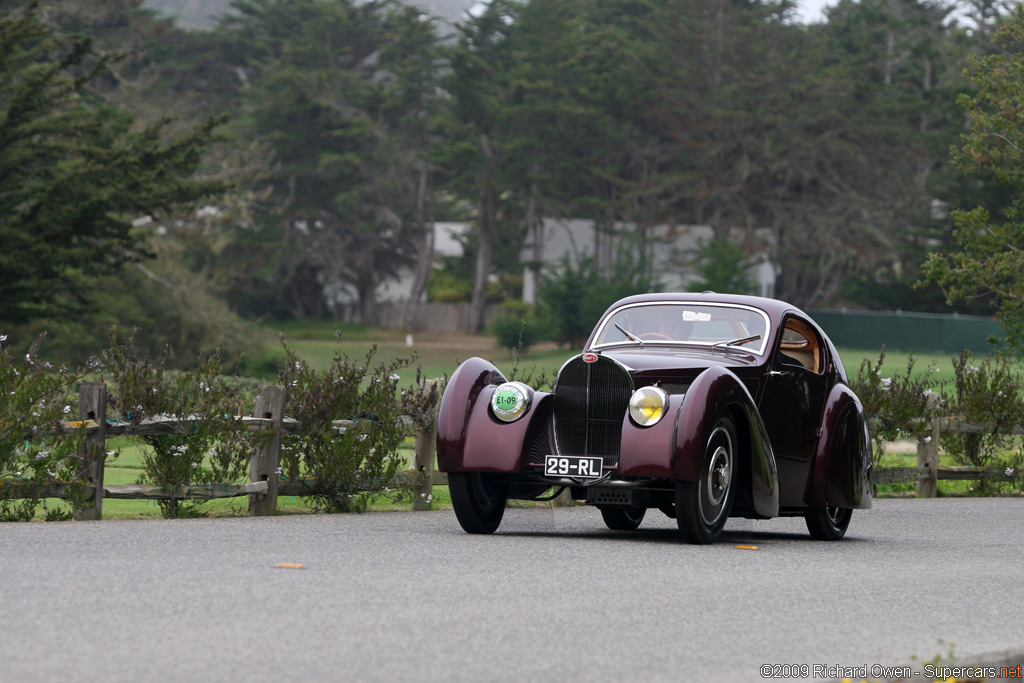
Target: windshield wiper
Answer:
pixel 736 342
pixel 629 335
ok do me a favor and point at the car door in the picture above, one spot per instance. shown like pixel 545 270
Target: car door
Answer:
pixel 791 404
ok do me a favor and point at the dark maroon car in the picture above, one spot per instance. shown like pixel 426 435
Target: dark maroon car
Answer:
pixel 703 406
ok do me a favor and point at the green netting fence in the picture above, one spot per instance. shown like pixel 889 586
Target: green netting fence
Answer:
pixel 902 331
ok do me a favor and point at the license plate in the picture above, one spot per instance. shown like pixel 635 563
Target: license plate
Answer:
pixel 579 466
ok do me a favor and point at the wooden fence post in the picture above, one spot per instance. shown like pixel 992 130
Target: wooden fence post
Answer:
pixel 92 405
pixel 264 465
pixel 928 452
pixel 426 449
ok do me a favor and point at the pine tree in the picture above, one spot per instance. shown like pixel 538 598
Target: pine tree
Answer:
pixel 73 172
pixel 990 259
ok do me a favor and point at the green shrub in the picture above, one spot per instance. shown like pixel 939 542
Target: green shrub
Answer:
pixel 721 266
pixel 35 398
pixel 985 391
pixel 897 405
pixel 213 448
pixel 350 464
pixel 185 324
pixel 574 298
pixel 446 287
pixel 515 328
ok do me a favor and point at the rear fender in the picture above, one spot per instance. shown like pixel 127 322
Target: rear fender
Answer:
pixel 841 476
pixel 716 392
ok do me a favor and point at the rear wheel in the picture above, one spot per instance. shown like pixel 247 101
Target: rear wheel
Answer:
pixel 623 519
pixel 702 506
pixel 479 500
pixel 828 524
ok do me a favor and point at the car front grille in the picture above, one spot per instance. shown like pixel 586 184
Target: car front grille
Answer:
pixel 538 437
pixel 591 400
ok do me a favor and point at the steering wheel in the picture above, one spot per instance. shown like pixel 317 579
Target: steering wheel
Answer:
pixel 655 335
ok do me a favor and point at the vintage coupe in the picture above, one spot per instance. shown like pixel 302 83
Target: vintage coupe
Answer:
pixel 703 406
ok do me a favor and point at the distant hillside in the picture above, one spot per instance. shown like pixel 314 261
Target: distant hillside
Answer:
pixel 203 14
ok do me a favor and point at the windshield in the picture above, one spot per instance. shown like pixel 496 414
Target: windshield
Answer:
pixel 686 324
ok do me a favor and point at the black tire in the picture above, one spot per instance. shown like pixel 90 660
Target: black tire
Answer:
pixel 623 519
pixel 703 506
pixel 828 524
pixel 479 500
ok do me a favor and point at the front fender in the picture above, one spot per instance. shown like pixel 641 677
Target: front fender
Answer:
pixel 469 437
pixel 457 403
pixel 841 476
pixel 714 393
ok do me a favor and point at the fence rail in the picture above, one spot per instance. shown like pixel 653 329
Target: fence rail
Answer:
pixel 265 485
pixel 897 475
pixel 928 472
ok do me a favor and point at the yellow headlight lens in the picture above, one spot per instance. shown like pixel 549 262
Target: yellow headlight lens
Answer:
pixel 647 406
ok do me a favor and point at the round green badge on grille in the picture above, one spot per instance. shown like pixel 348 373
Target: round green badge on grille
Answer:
pixel 510 401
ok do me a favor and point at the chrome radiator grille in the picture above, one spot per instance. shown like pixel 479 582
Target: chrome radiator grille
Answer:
pixel 591 400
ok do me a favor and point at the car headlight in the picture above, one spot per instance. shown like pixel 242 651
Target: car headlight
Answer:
pixel 647 405
pixel 510 401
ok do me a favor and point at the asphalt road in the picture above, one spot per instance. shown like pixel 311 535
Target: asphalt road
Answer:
pixel 553 596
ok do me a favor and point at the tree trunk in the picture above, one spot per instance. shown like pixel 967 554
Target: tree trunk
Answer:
pixel 425 262
pixel 535 228
pixel 368 302
pixel 305 292
pixel 486 208
pixel 485 245
pixel 890 56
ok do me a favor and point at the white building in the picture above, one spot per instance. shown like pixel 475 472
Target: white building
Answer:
pixel 447 242
pixel 671 250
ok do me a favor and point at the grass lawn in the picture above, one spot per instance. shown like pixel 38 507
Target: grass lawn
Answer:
pixel 437 354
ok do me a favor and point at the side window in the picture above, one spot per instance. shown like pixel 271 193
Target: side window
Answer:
pixel 800 346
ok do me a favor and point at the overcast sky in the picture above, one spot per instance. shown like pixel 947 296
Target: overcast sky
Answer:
pixel 811 11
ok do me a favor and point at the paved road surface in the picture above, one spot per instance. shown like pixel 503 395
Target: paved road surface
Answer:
pixel 553 596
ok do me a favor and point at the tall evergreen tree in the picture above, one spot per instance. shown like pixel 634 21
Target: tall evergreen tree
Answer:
pixel 73 172
pixel 479 83
pixel 991 242
pixel 337 90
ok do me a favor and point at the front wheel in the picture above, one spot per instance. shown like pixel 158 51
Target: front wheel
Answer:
pixel 623 519
pixel 827 524
pixel 479 500
pixel 702 506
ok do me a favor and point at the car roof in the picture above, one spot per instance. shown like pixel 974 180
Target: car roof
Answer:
pixel 775 308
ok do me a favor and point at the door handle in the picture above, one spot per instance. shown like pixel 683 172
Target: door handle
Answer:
pixel 779 373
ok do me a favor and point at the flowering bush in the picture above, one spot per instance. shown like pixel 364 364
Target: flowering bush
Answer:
pixel 897 406
pixel 34 399
pixel 207 446
pixel 985 391
pixel 349 463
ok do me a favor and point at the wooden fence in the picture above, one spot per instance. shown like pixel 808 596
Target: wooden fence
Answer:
pixel 928 471
pixel 265 483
